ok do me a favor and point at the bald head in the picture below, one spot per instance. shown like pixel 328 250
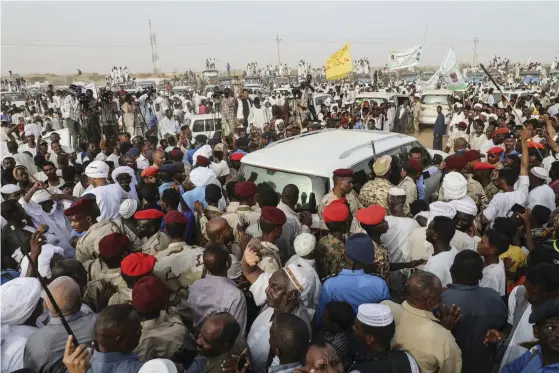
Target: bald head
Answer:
pixel 290 194
pixel 215 229
pixel 217 334
pixel 460 143
pixel 228 325
pixel 158 158
pixel 424 285
pixel 216 259
pixel 66 293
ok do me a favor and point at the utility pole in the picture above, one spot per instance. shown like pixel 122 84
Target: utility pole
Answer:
pixel 474 61
pixel 154 55
pixel 278 40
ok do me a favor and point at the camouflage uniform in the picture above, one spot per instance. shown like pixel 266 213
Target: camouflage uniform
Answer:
pixel 87 247
pixel 243 214
pixel 164 338
pixel 330 256
pixel 495 173
pixel 269 255
pixel 352 201
pixel 375 192
pixel 209 213
pixel 409 186
pixel 382 262
pixel 180 262
pixel 122 296
pixel 490 191
pixel 102 274
pixel 156 243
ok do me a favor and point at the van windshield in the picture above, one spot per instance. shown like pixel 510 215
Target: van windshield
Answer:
pixel 434 99
pixel 311 188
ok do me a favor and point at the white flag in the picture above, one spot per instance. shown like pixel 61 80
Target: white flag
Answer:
pixel 451 73
pixel 432 82
pixel 398 59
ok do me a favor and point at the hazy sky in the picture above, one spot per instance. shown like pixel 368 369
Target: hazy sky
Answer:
pixel 60 37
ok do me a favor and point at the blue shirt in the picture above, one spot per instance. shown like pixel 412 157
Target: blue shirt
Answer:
pixel 504 155
pixel 9 274
pixel 189 154
pixel 530 362
pixel 113 362
pixel 190 227
pixel 420 188
pixel 196 194
pixel 359 126
pixel 439 125
pixel 163 187
pixel 355 287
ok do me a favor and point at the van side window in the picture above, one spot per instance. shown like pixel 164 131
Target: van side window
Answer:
pixel 210 125
pixel 426 157
pixel 198 126
pixel 362 171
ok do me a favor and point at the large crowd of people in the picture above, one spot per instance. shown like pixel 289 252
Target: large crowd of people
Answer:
pixel 160 254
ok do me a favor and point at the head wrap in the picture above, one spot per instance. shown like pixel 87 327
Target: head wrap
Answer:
pixel 205 151
pixel 41 196
pixel 465 204
pixel 10 188
pixel 127 208
pixel 124 170
pixel 440 209
pixel 296 275
pixel 97 170
pixel 158 366
pixel 20 297
pixel 376 315
pixel 455 186
pixel 201 176
pixel 304 244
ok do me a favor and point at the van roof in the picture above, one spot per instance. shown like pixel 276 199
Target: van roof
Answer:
pixel 385 95
pixel 320 152
pixel 438 92
pixel 206 116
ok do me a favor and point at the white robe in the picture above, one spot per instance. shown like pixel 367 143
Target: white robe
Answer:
pixel 311 292
pixel 14 338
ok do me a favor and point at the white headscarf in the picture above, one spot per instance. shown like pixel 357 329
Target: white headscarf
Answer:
pixel 97 170
pixel 205 150
pixel 158 366
pixel 124 170
pixel 47 252
pixel 440 209
pixel 201 176
pixel 465 204
pixel 19 299
pixel 455 186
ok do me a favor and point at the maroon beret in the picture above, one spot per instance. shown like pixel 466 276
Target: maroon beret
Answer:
pixel 343 172
pixel 455 162
pixel 416 165
pixel 148 214
pixel 137 264
pixel 245 189
pixel 113 245
pixel 80 207
pixel 202 161
pixel 149 294
pixel 175 217
pixel 176 152
pixel 273 215
pixel 472 155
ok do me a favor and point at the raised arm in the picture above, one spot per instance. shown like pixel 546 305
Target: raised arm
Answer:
pixel 524 157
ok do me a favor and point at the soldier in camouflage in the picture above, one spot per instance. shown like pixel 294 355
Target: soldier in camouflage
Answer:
pixel 330 251
pixel 343 185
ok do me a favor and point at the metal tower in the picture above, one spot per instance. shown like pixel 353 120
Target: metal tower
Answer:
pixel 154 55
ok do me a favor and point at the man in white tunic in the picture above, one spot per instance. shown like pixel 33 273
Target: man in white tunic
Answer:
pixel 439 233
pixel 541 193
pixel 108 196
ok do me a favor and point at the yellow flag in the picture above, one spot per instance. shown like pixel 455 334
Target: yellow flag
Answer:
pixel 340 64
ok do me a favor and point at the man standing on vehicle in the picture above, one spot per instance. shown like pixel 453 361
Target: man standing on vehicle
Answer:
pixel 438 130
pixel 71 115
pixel 416 110
pixel 228 110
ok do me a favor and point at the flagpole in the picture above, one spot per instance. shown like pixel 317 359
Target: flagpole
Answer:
pixel 425 36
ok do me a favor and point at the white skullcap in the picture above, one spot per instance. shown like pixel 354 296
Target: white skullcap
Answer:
pixel 20 297
pixel 201 176
pixel 158 366
pixel 304 244
pixel 459 105
pixel 97 170
pixel 539 172
pixel 376 315
pixel 455 186
pixel 396 192
pixel 296 275
pixel 124 170
pixel 41 196
pixel 127 208
pixel 10 188
pixel 478 105
pixel 494 116
pixel 27 118
pixel 440 209
pixel 465 204
pixel 205 151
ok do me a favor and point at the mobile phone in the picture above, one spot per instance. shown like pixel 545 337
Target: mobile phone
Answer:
pixel 519 209
pixel 242 361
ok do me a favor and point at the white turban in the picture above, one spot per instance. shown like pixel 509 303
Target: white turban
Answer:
pixel 124 170
pixel 10 188
pixel 158 366
pixel 127 208
pixel 41 196
pixel 440 209
pixel 455 186
pixel 304 244
pixel 205 151
pixel 465 204
pixel 20 297
pixel 201 176
pixel 47 252
pixel 97 170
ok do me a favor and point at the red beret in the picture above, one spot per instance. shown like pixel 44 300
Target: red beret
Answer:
pixel 148 214
pixel 149 294
pixel 202 161
pixel 500 131
pixel 535 145
pixel 137 264
pixel 495 150
pixel 455 162
pixel 472 155
pixel 150 171
pixel 113 245
pixel 273 215
pixel 336 212
pixel 176 152
pixel 80 207
pixel 371 215
pixel 236 156
pixel 462 125
pixel 175 217
pixel 483 166
pixel 343 172
pixel 416 165
pixel 245 189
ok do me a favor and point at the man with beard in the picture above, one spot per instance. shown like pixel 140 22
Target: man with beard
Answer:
pixel 148 227
pixel 280 292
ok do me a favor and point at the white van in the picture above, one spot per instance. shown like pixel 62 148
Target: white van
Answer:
pixel 308 160
pixel 378 97
pixel 429 102
pixel 205 124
